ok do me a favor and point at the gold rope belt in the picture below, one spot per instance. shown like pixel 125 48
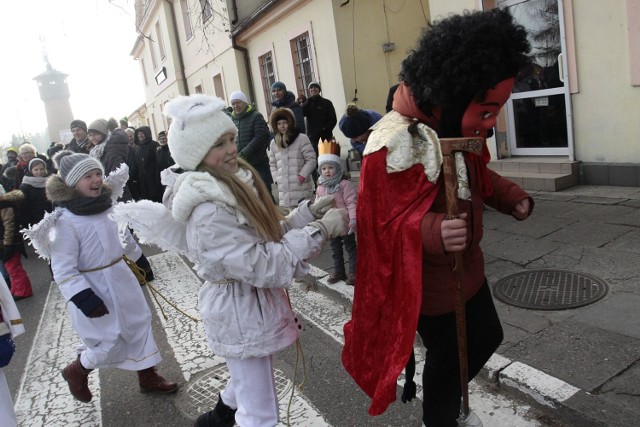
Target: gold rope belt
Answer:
pixel 114 262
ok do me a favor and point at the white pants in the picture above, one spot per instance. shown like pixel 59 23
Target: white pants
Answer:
pixel 7 414
pixel 252 391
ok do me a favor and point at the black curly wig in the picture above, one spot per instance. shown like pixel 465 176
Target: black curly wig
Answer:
pixel 459 58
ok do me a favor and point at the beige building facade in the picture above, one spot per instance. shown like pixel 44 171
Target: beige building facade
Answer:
pixel 575 107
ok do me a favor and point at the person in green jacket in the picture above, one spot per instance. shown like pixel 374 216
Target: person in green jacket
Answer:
pixel 253 135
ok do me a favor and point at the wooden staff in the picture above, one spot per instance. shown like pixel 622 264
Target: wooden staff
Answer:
pixel 449 147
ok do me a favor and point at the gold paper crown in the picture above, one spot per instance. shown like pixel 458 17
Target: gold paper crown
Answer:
pixel 328 147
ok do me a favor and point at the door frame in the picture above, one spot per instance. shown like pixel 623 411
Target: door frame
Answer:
pixel 564 90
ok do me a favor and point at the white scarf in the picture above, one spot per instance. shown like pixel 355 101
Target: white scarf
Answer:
pixel 97 151
pixel 194 188
pixel 35 181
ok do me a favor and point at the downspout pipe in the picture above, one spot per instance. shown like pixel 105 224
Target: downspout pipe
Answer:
pixel 185 86
pixel 244 50
pixel 247 64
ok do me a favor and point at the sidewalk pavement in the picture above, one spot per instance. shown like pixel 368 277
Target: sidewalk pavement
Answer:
pixel 581 365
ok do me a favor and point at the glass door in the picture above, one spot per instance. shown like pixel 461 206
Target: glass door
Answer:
pixel 539 109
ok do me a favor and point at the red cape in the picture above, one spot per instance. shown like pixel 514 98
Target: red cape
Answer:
pixel 388 293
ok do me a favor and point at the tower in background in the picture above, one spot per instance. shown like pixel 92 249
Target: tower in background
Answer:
pixel 54 92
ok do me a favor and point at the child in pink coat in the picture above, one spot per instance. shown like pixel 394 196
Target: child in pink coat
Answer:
pixel 332 183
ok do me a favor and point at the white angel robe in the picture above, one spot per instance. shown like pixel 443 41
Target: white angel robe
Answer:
pixel 123 338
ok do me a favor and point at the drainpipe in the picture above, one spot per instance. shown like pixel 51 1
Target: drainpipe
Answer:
pixel 185 86
pixel 247 64
pixel 237 30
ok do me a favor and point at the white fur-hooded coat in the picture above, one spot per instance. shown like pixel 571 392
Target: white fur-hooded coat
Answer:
pixel 243 303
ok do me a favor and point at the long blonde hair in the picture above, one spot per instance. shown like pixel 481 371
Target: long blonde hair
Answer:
pixel 262 214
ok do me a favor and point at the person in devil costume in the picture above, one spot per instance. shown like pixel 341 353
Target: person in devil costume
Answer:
pixel 452 85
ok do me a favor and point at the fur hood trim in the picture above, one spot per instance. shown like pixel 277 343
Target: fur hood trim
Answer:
pixel 279 114
pixel 12 197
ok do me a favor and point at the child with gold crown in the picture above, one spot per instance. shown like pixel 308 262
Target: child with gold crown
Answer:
pixel 332 183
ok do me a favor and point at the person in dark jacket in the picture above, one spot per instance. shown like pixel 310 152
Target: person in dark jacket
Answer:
pixel 35 203
pixel 12 245
pixel 12 158
pixel 80 142
pixel 285 98
pixel 165 160
pixel 110 147
pixel 253 136
pixel 54 149
pixel 27 152
pixel 321 118
pixel 145 166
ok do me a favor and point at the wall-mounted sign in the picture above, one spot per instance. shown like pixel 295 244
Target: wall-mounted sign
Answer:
pixel 161 76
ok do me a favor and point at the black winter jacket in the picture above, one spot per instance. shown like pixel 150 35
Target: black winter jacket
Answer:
pixel 321 119
pixel 145 166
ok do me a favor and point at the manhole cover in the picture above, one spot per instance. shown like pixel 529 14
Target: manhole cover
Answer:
pixel 201 393
pixel 549 289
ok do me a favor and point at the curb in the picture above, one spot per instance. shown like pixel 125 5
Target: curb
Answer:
pixel 569 404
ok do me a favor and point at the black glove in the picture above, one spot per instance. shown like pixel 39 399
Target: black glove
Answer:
pixel 7 348
pixel 89 303
pixel 143 263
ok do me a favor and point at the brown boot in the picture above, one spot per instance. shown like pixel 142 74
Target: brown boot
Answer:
pixel 78 379
pixel 336 277
pixel 150 381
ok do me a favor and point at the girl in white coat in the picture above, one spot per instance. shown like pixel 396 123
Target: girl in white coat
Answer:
pixel 224 219
pixel 292 159
pixel 107 307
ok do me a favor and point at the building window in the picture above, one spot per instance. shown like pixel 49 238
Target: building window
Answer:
pixel 144 72
pixel 268 77
pixel 302 62
pixel 186 19
pixel 160 42
pixel 207 11
pixel 198 89
pixel 152 52
pixel 217 86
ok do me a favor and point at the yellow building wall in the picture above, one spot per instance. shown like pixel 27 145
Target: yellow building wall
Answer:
pixel 441 9
pixel 316 17
pixel 362 28
pixel 605 111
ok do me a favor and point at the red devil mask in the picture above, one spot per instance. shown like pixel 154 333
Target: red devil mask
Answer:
pixel 480 116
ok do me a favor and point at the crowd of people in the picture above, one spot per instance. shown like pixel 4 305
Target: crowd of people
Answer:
pixel 207 181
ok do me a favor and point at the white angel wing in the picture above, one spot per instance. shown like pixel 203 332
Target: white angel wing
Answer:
pixel 117 180
pixel 39 234
pixel 153 224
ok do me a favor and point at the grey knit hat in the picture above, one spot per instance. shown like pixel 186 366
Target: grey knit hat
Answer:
pixel 99 125
pixel 72 166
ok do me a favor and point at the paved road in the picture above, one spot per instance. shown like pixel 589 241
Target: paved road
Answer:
pixel 328 397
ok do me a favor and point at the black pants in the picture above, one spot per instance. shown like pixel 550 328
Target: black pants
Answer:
pixel 441 377
pixel 338 255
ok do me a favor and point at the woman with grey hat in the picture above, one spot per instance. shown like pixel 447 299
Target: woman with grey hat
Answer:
pixel 107 307
pixel 223 219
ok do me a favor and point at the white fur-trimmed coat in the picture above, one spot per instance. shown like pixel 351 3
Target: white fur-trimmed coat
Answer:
pixel 298 159
pixel 243 303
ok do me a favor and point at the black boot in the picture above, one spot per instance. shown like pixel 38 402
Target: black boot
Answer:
pixel 221 416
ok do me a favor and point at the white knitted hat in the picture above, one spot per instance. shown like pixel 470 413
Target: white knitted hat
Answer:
pixel 238 95
pixel 197 122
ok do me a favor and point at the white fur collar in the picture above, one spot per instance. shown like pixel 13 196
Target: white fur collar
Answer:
pixel 193 188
